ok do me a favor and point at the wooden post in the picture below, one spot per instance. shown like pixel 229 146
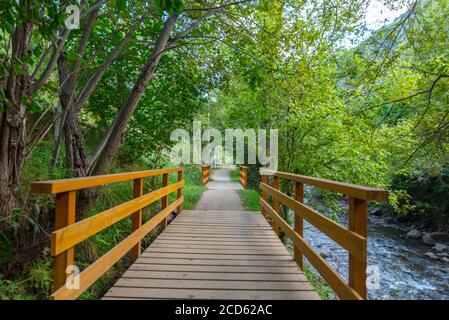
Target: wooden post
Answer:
pixel 64 216
pixel 179 195
pixel 205 172
pixel 358 222
pixel 299 196
pixel 244 175
pixel 276 204
pixel 241 176
pixel 136 218
pixel 164 199
pixel 264 194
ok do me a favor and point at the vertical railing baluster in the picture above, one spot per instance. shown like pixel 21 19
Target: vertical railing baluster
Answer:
pixel 264 194
pixel 179 193
pixel 164 199
pixel 358 222
pixel 299 196
pixel 64 216
pixel 276 204
pixel 136 218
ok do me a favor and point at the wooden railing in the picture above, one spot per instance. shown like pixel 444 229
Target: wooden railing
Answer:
pixel 353 238
pixel 243 173
pixel 205 174
pixel 69 233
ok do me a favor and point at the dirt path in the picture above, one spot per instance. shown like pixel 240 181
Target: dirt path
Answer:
pixel 221 193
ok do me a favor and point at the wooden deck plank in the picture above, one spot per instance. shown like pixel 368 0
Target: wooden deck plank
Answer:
pixel 212 284
pixel 217 276
pixel 245 251
pixel 212 236
pixel 227 245
pixel 172 293
pixel 219 256
pixel 215 249
pixel 218 262
pixel 221 268
pixel 214 255
pixel 206 240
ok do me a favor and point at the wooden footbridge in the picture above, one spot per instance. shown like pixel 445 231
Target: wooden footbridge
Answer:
pixel 217 251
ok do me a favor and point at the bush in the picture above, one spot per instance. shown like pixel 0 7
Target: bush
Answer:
pixel 428 201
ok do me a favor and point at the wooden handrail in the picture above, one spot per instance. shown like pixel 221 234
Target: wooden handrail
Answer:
pixel 335 280
pixel 205 174
pixel 69 233
pixel 353 238
pixel 352 190
pixel 243 174
pixel 349 240
pixel 105 262
pixel 65 238
pixel 63 185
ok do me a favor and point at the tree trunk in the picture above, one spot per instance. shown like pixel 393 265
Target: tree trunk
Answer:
pixel 127 109
pixel 76 158
pixel 102 164
pixel 12 122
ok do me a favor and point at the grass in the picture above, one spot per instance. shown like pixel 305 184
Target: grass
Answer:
pixel 319 284
pixel 192 195
pixel 193 188
pixel 322 288
pixel 250 199
pixel 235 175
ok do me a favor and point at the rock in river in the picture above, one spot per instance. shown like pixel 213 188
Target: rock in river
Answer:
pixel 377 212
pixel 440 247
pixel 324 255
pixel 431 255
pixel 427 239
pixel 414 234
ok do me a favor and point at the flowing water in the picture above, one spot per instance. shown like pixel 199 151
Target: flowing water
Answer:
pixel 404 272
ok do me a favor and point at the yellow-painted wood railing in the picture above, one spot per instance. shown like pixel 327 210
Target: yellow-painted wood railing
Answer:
pixel 353 238
pixel 205 174
pixel 69 232
pixel 243 173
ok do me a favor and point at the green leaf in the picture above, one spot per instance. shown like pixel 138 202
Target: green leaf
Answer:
pixel 120 5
